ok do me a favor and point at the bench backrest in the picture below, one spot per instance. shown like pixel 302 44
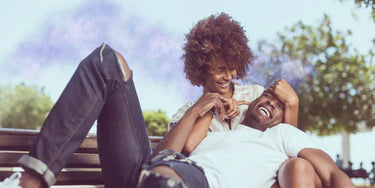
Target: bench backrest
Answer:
pixel 83 167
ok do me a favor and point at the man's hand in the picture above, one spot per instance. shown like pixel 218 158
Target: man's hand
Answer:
pixel 284 92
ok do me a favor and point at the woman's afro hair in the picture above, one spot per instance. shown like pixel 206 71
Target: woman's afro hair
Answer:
pixel 217 35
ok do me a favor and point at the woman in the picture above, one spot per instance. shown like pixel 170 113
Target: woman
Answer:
pixel 216 53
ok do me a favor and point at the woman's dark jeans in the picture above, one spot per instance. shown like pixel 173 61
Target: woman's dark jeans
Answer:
pixel 98 91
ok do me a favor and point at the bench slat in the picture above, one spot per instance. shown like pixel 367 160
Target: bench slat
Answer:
pixel 71 177
pixel 77 160
pixel 22 141
pixel 18 140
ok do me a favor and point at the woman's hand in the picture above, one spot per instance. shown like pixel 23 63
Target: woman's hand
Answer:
pixel 209 102
pixel 232 107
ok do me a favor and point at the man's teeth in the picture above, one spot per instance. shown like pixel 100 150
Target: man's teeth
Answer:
pixel 264 111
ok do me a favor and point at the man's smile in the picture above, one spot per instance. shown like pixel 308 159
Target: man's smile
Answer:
pixel 264 110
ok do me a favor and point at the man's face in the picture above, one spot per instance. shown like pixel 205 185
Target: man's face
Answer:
pixel 264 112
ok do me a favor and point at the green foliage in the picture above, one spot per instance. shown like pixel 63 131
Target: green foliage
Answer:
pixel 156 122
pixel 335 83
pixel 23 107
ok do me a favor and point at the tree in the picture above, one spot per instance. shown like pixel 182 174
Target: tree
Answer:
pixel 366 4
pixel 23 107
pixel 335 83
pixel 156 122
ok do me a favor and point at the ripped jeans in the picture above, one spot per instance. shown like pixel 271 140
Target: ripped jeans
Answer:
pixel 97 91
pixel 188 170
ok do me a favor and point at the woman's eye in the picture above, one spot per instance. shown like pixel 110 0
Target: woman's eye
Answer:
pixel 221 70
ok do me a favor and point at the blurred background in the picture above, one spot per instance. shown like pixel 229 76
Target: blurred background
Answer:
pixel 324 48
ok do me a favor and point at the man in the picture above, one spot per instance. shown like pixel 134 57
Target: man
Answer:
pixel 102 88
pixel 250 155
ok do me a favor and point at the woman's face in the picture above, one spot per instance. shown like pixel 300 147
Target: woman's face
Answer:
pixel 219 79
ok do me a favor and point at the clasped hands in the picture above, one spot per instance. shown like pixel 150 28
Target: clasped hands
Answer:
pixel 228 108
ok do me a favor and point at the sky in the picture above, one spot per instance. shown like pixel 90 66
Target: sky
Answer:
pixel 43 41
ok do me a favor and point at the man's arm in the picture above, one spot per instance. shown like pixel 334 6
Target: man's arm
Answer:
pixel 326 168
pixel 286 94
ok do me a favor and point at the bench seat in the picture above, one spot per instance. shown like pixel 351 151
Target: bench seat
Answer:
pixel 83 167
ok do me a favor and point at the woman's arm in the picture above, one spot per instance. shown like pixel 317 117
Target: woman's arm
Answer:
pixel 202 125
pixel 198 133
pixel 286 94
pixel 177 137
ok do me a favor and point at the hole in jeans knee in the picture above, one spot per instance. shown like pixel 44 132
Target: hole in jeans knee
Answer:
pixel 123 66
pixel 151 178
pixel 167 172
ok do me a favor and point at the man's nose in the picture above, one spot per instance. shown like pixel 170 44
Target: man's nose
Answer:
pixel 272 103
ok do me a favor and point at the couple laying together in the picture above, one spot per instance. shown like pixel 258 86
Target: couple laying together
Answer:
pixel 233 136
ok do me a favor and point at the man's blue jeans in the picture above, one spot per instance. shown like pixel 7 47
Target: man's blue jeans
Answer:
pixel 97 90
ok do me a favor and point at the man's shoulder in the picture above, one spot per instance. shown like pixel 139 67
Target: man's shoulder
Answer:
pixel 283 127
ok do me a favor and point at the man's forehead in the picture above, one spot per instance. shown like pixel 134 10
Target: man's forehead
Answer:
pixel 266 92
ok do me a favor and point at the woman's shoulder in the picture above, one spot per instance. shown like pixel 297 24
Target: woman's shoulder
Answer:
pixel 247 88
pixel 180 112
pixel 247 92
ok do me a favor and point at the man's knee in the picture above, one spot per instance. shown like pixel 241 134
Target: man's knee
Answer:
pixel 160 176
pixel 298 166
pixel 298 172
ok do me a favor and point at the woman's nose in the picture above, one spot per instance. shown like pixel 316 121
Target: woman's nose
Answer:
pixel 228 75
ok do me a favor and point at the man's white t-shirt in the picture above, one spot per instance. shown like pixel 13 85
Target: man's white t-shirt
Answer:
pixel 246 157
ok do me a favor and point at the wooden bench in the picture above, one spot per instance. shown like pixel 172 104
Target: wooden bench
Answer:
pixel 82 169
